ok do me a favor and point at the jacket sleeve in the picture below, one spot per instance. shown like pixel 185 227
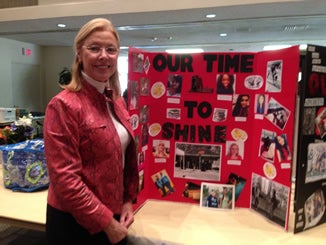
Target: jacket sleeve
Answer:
pixel 68 191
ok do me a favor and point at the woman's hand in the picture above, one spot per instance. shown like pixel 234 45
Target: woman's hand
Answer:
pixel 115 231
pixel 127 215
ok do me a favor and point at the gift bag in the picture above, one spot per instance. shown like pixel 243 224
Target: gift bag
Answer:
pixel 24 166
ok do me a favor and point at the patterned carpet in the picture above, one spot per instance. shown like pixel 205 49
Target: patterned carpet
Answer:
pixel 10 235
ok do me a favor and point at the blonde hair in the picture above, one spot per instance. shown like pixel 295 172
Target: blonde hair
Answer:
pixel 97 24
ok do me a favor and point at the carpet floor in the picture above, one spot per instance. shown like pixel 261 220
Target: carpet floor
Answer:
pixel 10 235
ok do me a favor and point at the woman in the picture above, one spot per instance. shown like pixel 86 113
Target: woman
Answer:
pixel 282 148
pixel 233 153
pixel 260 108
pixel 225 84
pixel 90 148
pixel 160 151
pixel 174 85
pixel 241 106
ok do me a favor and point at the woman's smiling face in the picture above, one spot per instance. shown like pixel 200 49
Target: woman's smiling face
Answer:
pixel 226 80
pixel 99 55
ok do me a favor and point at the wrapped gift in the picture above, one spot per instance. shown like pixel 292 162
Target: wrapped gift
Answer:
pixel 24 166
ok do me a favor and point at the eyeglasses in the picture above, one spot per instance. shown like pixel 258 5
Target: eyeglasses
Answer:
pixel 97 49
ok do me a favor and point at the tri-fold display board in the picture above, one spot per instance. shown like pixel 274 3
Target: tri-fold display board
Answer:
pixel 311 164
pixel 218 124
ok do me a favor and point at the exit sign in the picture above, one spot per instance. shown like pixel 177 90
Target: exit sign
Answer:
pixel 26 51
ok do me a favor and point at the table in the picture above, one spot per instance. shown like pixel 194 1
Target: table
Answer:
pixel 171 222
pixel 181 223
pixel 27 210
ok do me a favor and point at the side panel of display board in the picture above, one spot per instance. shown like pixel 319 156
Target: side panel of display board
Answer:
pixel 217 118
pixel 311 158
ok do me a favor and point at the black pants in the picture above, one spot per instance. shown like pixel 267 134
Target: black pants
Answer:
pixel 62 229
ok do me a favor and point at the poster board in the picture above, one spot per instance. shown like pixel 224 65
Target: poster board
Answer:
pixel 190 128
pixel 311 157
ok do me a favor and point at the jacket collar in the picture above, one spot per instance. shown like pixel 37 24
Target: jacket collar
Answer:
pixel 100 86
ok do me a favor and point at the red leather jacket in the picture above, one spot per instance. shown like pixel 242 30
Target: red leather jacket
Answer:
pixel 84 157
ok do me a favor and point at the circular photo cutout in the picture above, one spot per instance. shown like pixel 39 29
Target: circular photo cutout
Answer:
pixel 269 170
pixel 254 82
pixel 158 89
pixel 239 134
pixel 154 129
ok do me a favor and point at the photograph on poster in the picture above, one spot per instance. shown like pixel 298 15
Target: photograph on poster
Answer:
pixel 240 105
pixel 144 114
pixel 137 142
pixel 161 148
pixel 144 86
pixel 253 82
pixel 154 129
pixel 308 124
pixel 316 162
pixel 267 145
pixel 134 121
pixel 146 65
pixel 144 134
pixel 197 85
pixel 225 83
pixel 134 95
pixel 192 191
pixel 239 134
pixel 321 122
pixel 234 152
pixel 274 76
pixel 137 62
pixel 217 196
pixel 158 90
pixel 277 114
pixel 238 183
pixel 163 183
pixel 173 113
pixel 141 180
pixel 282 148
pixel 269 198
pixel 269 170
pixel 261 104
pixel 219 115
pixel 141 158
pixel 174 86
pixel 314 209
pixel 197 161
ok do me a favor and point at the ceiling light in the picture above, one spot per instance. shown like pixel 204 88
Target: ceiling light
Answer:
pixel 291 28
pixel 61 25
pixel 210 16
pixel 275 47
pixel 185 51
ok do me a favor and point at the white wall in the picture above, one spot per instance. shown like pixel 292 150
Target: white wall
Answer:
pixel 48 61
pixel 11 54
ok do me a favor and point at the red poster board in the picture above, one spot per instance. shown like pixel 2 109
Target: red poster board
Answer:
pixel 187 121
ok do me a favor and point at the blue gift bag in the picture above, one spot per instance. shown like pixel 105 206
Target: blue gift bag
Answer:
pixel 24 166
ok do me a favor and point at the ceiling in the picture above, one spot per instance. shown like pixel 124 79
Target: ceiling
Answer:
pixel 249 27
